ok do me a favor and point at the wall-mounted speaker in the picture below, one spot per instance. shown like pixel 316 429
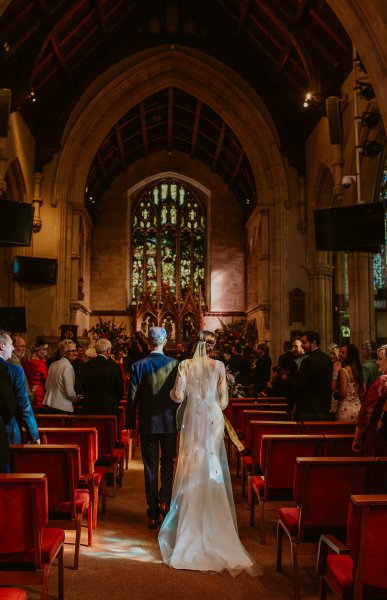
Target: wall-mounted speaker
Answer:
pixel 334 120
pixel 5 105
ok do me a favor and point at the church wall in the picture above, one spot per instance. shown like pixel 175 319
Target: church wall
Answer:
pixel 111 243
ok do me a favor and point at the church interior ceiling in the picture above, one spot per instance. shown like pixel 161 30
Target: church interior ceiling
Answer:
pixel 52 50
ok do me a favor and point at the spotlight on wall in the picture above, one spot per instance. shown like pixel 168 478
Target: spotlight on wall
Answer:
pixel 366 90
pixel 370 119
pixel 372 148
pixel 307 100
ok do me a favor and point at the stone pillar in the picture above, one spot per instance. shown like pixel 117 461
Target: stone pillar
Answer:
pixel 75 263
pixel 37 201
pixel 264 267
pixel 361 305
pixel 320 305
pixel 301 204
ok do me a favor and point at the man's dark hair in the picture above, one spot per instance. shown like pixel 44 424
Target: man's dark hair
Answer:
pixel 312 336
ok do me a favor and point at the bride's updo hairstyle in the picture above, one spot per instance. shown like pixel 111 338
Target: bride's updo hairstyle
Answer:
pixel 209 338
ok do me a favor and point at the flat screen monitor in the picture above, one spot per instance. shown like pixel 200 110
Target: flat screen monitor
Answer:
pixel 13 319
pixel 356 228
pixel 28 269
pixel 16 219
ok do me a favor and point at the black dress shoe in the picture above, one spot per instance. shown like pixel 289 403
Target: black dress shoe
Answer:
pixel 154 523
pixel 164 508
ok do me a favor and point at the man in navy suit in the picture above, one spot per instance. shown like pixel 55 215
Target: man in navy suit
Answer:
pixel 151 380
pixel 24 412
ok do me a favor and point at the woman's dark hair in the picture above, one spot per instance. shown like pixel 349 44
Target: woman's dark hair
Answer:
pixel 353 360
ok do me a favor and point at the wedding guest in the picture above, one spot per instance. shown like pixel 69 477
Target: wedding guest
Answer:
pixel 262 368
pixel 7 412
pixel 35 368
pixel 286 359
pixel 366 440
pixel 351 387
pixel 17 358
pixel 60 391
pixel 311 391
pixel 102 382
pixel 278 384
pixel 150 382
pixel 24 414
pixel 77 365
pixel 334 351
pixel 239 365
pixel 369 366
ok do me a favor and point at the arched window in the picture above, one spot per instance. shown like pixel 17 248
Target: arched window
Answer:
pixel 168 242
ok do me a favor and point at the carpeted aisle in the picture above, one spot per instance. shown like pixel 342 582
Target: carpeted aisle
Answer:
pixel 124 561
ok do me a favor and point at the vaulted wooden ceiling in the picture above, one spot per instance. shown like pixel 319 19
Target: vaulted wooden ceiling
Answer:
pixel 51 50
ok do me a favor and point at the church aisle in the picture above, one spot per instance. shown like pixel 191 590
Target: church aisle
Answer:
pixel 125 561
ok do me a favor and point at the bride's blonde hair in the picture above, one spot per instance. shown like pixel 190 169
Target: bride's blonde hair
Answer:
pixel 209 338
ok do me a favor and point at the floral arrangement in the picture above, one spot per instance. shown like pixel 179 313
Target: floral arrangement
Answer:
pixel 235 390
pixel 110 331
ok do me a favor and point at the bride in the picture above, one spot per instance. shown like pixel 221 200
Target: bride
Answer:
pixel 200 530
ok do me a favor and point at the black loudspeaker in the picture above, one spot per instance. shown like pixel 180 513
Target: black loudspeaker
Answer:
pixel 334 120
pixel 5 105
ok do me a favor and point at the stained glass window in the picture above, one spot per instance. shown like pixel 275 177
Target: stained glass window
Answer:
pixel 380 260
pixel 168 242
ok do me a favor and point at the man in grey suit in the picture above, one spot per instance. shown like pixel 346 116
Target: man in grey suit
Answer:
pixel 151 380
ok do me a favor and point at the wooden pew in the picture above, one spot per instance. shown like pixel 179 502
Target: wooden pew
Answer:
pixel 87 440
pixel 277 459
pixel 321 492
pixel 67 503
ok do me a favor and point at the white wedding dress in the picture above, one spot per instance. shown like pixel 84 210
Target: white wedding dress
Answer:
pixel 200 530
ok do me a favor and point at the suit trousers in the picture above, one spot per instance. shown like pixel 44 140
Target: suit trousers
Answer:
pixel 155 447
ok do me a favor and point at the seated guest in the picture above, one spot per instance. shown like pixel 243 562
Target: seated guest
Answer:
pixel 102 382
pixel 35 368
pixel 24 414
pixel 60 391
pixel 278 384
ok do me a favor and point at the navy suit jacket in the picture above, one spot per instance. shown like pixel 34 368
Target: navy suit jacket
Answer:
pixel 24 412
pixel 151 380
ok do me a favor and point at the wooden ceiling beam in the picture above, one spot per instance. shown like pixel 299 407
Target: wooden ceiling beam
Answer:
pixel 143 128
pixel 103 171
pixel 59 55
pixel 282 61
pixel 170 119
pixel 195 130
pixel 219 146
pixel 325 27
pixel 102 22
pixel 120 145
pixel 237 168
pixel 245 9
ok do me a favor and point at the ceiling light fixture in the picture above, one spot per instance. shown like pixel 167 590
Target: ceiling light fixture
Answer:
pixel 370 119
pixel 371 148
pixel 366 90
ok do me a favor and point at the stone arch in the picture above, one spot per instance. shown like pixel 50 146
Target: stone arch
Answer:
pixel 16 186
pixel 132 80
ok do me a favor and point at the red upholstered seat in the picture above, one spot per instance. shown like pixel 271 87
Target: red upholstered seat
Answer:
pixel 66 503
pixel 357 570
pixel 277 460
pixel 12 594
pixel 321 491
pixel 27 546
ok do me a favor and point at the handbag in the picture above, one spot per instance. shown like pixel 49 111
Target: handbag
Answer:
pixel 180 414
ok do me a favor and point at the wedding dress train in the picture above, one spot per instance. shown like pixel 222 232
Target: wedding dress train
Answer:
pixel 200 530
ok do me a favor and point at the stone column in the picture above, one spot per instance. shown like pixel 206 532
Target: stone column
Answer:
pixel 320 305
pixel 361 304
pixel 75 263
pixel 37 200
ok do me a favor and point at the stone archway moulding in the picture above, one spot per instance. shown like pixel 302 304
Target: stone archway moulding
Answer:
pixel 133 80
